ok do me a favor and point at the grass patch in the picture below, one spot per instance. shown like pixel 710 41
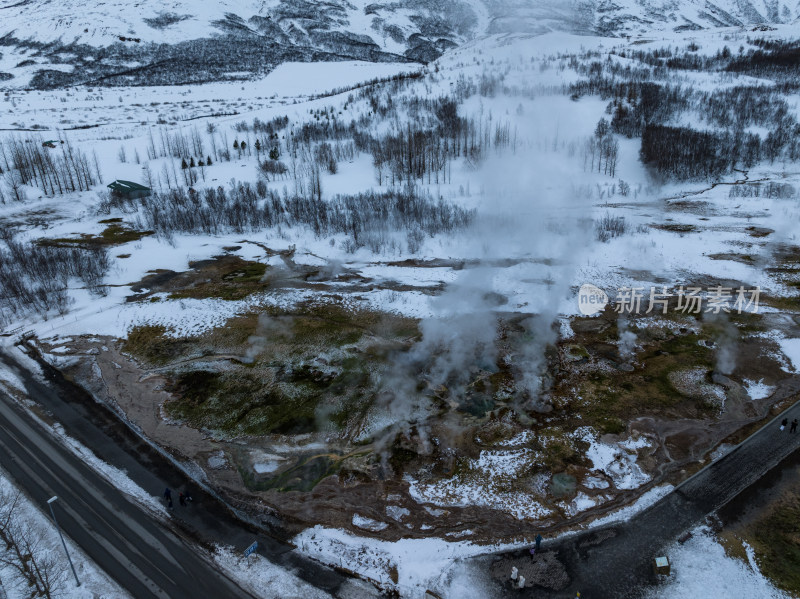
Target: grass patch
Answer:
pixel 748 322
pixel 283 372
pixel 788 304
pixel 611 398
pixel 151 344
pixel 232 281
pixel 743 258
pixel 240 402
pixel 316 324
pixel 776 540
pixel 116 233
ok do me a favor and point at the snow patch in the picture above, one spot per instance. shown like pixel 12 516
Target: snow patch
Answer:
pixel 758 389
pixel 262 578
pixel 791 349
pixel 616 460
pixel 701 568
pixel 365 523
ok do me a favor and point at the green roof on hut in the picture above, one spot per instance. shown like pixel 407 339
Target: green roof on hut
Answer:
pixel 126 186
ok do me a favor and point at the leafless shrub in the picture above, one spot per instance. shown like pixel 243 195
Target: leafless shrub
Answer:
pixel 609 227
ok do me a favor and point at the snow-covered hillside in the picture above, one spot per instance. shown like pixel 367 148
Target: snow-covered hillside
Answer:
pixel 50 45
pixel 420 29
pixel 642 16
pixel 389 24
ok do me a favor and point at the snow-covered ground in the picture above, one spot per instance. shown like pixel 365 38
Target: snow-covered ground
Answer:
pixel 758 389
pixel 94 582
pixel 499 188
pixel 701 568
pixel 262 578
pixel 410 566
pixel 415 565
pixel 533 243
pixel 617 460
pixel 791 348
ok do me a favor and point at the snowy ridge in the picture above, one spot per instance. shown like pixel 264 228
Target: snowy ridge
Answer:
pixel 395 27
pixel 420 29
pixel 181 42
pixel 642 16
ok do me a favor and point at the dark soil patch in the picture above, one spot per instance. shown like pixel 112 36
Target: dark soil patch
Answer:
pixel 759 231
pixel 675 227
pixel 743 258
pixel 116 233
pixel 226 277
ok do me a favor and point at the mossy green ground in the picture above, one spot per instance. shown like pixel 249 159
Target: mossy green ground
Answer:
pixel 609 398
pixel 273 378
pixel 232 283
pixel 776 539
pixel 115 233
pixel 320 367
pixel 774 536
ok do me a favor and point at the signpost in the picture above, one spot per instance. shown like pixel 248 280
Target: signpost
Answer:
pixel 251 549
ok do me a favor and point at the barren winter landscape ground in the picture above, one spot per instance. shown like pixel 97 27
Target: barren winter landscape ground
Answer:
pixel 407 313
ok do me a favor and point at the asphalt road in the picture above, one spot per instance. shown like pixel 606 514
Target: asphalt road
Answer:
pixel 141 554
pixel 616 561
pixel 207 521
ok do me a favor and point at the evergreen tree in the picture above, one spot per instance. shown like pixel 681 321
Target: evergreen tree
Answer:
pixel 602 129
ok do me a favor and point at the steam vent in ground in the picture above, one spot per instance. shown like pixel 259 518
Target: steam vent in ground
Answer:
pixel 468 299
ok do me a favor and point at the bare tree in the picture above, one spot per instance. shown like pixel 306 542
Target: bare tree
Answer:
pixel 35 567
pixel 14 183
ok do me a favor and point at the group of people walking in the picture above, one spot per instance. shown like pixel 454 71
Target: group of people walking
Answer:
pixel 183 498
pixel 793 428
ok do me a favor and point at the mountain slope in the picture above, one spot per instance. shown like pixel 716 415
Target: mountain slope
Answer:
pixel 641 16
pixel 391 25
pixel 52 43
